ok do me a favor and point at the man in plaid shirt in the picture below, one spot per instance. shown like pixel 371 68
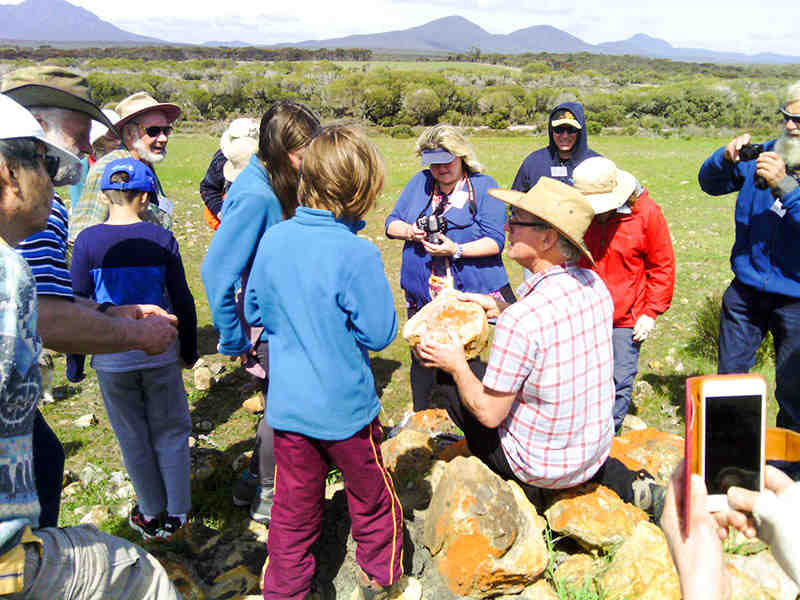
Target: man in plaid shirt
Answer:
pixel 543 413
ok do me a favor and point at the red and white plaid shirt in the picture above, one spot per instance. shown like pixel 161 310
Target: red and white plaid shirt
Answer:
pixel 553 348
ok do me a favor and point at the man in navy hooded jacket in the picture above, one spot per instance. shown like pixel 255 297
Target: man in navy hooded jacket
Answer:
pixel 566 128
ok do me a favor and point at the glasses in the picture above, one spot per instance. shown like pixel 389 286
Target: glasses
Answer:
pixel 511 221
pixel 565 129
pixel 790 117
pixel 155 130
pixel 50 163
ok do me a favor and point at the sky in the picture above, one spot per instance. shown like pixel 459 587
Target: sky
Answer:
pixel 733 25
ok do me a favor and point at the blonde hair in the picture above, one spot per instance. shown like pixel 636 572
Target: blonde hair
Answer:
pixel 450 139
pixel 793 93
pixel 342 172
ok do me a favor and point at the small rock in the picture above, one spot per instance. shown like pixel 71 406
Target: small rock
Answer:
pixel 96 516
pixel 69 477
pixel 117 478
pixel 85 421
pixel 123 510
pixel 72 489
pixel 633 423
pixel 203 378
pixel 575 570
pixel 408 588
pixel 192 441
pixel 204 426
pixel 206 439
pixel 243 460
pixel 124 492
pixel 91 474
pixel 255 403
pixel 216 368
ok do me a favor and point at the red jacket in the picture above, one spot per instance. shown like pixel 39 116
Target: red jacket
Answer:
pixel 634 257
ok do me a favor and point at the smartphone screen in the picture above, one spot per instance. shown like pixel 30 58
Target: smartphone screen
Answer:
pixel 732 442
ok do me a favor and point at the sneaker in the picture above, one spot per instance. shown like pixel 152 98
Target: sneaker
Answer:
pixel 650 497
pixel 147 529
pixel 245 489
pixel 170 527
pixel 261 508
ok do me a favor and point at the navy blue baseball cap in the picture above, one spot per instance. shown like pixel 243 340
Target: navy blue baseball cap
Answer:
pixel 437 156
pixel 140 177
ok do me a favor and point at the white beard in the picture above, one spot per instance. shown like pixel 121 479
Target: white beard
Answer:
pixel 788 148
pixel 145 155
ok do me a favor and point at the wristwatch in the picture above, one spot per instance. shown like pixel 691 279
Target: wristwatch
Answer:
pixel 459 251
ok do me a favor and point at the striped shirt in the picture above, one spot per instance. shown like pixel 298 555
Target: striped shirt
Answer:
pixel 553 348
pixel 46 253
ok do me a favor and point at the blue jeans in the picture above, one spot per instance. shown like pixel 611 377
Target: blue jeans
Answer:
pixel 626 365
pixel 747 315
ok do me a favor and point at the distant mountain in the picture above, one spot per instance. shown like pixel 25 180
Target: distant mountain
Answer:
pixel 58 21
pixel 457 34
pixel 230 44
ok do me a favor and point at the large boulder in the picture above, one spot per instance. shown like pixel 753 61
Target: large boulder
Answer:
pixel 765 570
pixel 485 535
pixel 656 451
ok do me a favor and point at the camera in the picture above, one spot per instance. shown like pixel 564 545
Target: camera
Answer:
pixel 432 225
pixel 750 152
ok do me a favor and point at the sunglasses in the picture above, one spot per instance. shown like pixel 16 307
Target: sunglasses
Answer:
pixel 511 221
pixel 50 163
pixel 790 117
pixel 155 130
pixel 565 129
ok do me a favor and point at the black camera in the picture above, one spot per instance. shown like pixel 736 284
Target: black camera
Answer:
pixel 751 152
pixel 432 225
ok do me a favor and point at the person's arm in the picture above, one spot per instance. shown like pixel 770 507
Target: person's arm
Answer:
pixel 659 265
pixel 212 187
pixel 183 304
pixel 400 224
pixel 721 173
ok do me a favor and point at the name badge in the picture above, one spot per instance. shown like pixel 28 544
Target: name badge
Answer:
pixel 558 171
pixel 458 199
pixel 777 208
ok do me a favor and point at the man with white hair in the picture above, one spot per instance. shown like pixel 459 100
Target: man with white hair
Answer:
pixel 144 126
pixel 61 103
pixel 72 563
pixel 765 292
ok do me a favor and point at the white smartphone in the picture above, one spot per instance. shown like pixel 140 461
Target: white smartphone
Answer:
pixel 732 436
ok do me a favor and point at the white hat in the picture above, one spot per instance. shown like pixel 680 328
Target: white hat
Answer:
pixel 605 186
pixel 238 143
pixel 100 129
pixel 17 122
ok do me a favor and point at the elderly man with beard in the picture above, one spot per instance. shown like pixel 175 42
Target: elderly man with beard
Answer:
pixel 144 126
pixel 765 293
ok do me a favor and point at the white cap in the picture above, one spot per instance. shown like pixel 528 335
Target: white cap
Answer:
pixel 100 129
pixel 17 122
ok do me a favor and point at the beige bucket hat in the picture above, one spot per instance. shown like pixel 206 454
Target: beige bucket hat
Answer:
pixel 238 143
pixel 604 185
pixel 140 103
pixel 560 205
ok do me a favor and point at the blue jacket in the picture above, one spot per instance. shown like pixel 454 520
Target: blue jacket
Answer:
pixel 483 275
pixel 766 250
pixel 250 208
pixel 540 162
pixel 321 294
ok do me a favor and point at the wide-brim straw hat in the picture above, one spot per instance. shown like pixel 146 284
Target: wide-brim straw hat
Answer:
pixel 238 153
pixel 561 206
pixel 140 103
pixel 604 185
pixel 52 86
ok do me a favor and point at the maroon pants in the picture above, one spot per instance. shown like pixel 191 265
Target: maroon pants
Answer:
pixel 301 464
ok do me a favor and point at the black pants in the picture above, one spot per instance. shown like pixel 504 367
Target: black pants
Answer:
pixel 484 443
pixel 48 469
pixel 424 378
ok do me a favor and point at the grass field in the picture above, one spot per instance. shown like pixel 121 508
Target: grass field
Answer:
pixel 702 232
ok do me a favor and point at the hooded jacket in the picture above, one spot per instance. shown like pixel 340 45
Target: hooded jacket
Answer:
pixel 545 162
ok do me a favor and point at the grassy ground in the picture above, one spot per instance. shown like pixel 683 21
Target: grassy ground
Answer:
pixel 701 227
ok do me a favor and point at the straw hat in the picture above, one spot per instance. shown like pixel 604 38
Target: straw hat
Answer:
pixel 51 86
pixel 140 103
pixel 238 143
pixel 563 207
pixel 604 185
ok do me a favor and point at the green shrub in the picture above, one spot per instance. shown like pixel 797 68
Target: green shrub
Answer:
pixel 703 342
pixel 402 132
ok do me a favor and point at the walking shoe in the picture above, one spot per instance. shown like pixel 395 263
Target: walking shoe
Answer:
pixel 261 508
pixel 245 489
pixel 147 529
pixel 369 589
pixel 170 527
pixel 649 496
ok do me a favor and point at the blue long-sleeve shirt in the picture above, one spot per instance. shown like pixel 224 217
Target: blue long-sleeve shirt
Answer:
pixel 250 208
pixel 766 249
pixel 321 294
pixel 136 264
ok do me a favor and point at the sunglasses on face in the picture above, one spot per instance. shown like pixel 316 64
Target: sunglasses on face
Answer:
pixel 790 117
pixel 565 129
pixel 155 130
pixel 511 220
pixel 50 163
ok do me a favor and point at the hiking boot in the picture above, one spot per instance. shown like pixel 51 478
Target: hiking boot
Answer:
pixel 261 508
pixel 649 496
pixel 245 489
pixel 147 529
pixel 369 589
pixel 170 527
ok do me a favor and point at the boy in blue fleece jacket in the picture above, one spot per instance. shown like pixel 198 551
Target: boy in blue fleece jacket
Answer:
pixel 321 294
pixel 128 261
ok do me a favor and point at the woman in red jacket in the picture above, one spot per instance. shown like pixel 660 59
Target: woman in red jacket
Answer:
pixel 630 242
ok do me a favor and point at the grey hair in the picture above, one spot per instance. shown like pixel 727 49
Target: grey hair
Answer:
pixel 53 116
pixel 451 139
pixel 793 93
pixel 569 250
